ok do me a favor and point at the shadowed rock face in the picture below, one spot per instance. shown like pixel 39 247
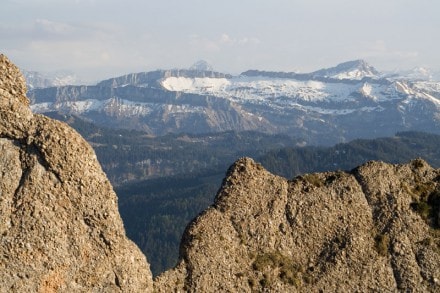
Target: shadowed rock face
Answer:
pixel 336 232
pixel 59 223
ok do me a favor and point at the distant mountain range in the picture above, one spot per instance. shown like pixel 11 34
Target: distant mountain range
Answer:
pixel 348 101
pixel 36 79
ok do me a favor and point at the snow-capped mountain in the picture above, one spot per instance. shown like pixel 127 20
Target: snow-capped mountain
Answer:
pixel 202 65
pixel 354 70
pixel 327 106
pixel 36 79
pixel 419 73
pixel 414 74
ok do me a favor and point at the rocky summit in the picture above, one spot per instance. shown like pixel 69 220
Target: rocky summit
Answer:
pixel 375 228
pixel 59 222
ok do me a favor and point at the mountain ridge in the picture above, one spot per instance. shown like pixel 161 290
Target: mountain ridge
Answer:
pixel 319 108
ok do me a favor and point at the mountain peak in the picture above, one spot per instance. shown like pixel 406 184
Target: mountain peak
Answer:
pixel 418 73
pixel 356 69
pixel 35 79
pixel 202 65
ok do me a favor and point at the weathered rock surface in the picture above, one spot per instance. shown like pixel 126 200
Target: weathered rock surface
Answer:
pixel 336 232
pixel 60 230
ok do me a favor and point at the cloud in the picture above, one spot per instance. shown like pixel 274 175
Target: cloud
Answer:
pixel 222 42
pixel 48 30
pixel 51 2
pixel 388 56
pixel 380 49
pixel 48 27
pixel 48 45
pixel 226 39
pixel 243 41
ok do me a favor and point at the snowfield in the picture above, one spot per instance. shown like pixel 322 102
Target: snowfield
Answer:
pixel 244 88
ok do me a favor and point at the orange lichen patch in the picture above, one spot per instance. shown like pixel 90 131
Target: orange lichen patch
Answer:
pixel 52 282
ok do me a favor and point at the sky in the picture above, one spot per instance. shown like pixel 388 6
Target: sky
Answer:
pixel 98 39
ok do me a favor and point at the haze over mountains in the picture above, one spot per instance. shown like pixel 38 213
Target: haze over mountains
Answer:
pixel 351 100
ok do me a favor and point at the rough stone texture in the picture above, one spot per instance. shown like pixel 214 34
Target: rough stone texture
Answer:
pixel 59 224
pixel 336 232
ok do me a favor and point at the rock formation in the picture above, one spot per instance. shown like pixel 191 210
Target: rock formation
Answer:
pixel 59 224
pixel 358 231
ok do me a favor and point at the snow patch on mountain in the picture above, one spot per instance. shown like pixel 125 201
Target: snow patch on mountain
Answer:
pixel 428 86
pixel 77 107
pixel 114 106
pixel 417 74
pixel 325 111
pixel 260 88
pixel 199 85
pixel 402 87
pixel 366 89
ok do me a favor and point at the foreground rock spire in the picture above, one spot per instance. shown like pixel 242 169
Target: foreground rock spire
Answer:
pixel 60 230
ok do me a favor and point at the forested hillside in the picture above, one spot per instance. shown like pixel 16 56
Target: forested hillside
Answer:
pixel 404 146
pixel 156 212
pixel 130 156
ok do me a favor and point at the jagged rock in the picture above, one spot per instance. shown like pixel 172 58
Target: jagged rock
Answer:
pixel 59 223
pixel 332 232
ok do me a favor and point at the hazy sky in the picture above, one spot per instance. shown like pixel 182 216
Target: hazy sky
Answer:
pixel 103 38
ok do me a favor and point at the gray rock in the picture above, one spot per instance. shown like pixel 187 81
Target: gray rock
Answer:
pixel 60 227
pixel 330 232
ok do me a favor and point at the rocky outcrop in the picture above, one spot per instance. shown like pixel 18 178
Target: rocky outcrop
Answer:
pixel 372 229
pixel 59 223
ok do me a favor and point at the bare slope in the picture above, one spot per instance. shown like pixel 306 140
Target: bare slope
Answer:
pixel 59 223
